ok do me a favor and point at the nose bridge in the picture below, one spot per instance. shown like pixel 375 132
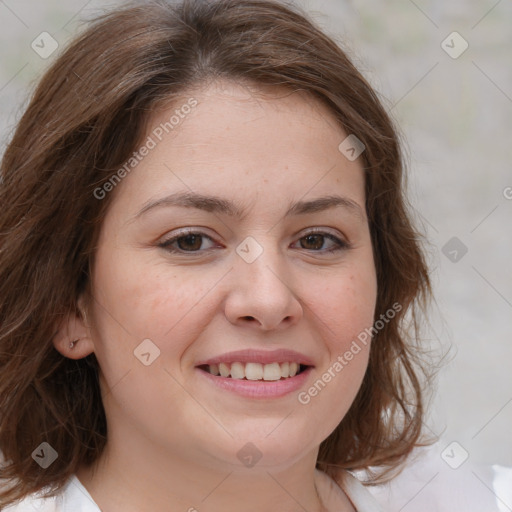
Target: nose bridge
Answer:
pixel 261 284
pixel 260 260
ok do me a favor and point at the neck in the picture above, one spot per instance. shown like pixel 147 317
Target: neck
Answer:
pixel 146 479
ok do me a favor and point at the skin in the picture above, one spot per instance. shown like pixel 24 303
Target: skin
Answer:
pixel 173 439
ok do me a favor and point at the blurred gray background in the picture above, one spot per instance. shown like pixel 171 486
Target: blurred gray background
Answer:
pixel 454 107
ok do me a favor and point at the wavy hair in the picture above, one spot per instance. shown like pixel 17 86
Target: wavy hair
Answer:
pixel 87 115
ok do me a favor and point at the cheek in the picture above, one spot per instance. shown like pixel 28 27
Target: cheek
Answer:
pixel 346 306
pixel 139 299
pixel 344 313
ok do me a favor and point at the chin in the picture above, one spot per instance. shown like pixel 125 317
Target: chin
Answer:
pixel 265 452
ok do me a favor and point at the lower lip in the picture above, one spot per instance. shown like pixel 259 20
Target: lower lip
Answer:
pixel 259 388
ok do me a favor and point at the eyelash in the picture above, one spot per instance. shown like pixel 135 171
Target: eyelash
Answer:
pixel 341 245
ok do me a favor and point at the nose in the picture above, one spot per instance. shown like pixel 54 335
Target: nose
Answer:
pixel 261 294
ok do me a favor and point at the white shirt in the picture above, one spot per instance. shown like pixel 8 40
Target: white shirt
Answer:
pixel 425 486
pixel 75 498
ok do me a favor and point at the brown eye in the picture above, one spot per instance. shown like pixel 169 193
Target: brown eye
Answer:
pixel 314 241
pixel 190 242
pixel 185 242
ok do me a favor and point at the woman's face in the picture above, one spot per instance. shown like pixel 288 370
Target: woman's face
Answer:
pixel 279 268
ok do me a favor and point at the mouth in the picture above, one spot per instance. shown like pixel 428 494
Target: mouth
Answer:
pixel 256 374
pixel 252 371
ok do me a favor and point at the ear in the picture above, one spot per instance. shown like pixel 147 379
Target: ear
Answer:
pixel 73 336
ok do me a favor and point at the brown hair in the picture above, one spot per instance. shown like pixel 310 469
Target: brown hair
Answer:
pixel 87 115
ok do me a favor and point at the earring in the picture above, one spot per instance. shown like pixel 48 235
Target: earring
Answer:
pixel 73 343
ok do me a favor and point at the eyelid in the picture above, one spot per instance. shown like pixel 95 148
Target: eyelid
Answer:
pixel 323 231
pixel 341 242
pixel 183 233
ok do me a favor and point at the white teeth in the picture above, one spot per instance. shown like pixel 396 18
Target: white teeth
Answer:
pixel 224 370
pixel 255 371
pixel 272 371
pixel 237 371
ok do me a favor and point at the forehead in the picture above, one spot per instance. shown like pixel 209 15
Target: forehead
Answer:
pixel 247 103
pixel 238 140
pixel 272 126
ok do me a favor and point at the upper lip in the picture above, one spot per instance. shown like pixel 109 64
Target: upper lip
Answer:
pixel 260 356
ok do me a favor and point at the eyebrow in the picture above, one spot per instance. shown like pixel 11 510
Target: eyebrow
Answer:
pixel 214 204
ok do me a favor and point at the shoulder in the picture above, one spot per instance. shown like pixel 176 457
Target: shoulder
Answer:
pixel 346 487
pixel 32 503
pixel 72 498
pixel 359 495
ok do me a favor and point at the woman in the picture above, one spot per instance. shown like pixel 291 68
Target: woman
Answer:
pixel 208 274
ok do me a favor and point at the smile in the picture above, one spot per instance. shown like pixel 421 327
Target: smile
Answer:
pixel 255 371
pixel 256 374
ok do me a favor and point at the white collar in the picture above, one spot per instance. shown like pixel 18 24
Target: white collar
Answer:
pixel 335 494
